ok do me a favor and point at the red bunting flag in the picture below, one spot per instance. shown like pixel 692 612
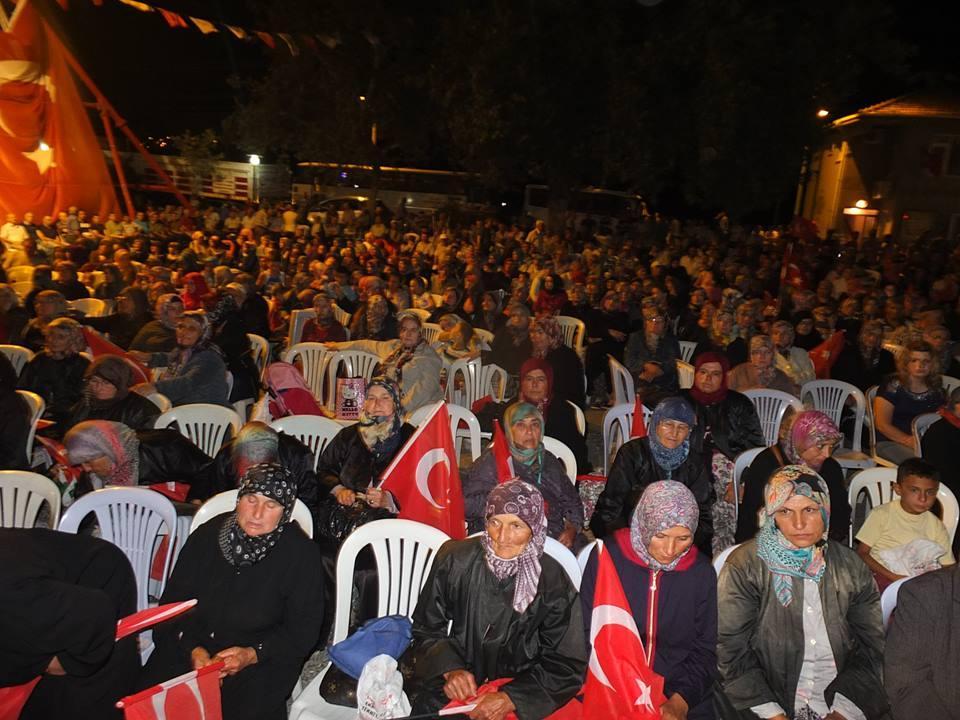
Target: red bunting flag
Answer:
pixel 194 694
pixel 267 39
pixel 429 455
pixel 99 345
pixel 173 19
pixel 638 428
pixel 824 355
pixel 620 680
pixel 501 455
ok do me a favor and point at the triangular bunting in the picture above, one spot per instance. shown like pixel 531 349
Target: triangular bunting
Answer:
pixel 329 42
pixel 291 45
pixel 204 26
pixel 239 32
pixel 142 7
pixel 173 20
pixel 309 42
pixel 267 39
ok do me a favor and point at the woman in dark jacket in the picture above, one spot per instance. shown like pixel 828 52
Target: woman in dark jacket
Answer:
pixel 547 340
pixel 807 438
pixel 116 455
pixel 727 424
pixel 15 420
pixel 672 592
pixel 56 372
pixel 230 335
pixel 107 396
pixel 664 455
pixel 133 312
pixel 607 330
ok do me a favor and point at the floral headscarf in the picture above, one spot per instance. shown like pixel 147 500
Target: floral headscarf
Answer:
pixel 671 408
pixel 551 328
pixel 272 481
pixel 525 501
pixel 91 439
pixel 76 342
pixel 782 558
pixel 664 504
pixel 810 428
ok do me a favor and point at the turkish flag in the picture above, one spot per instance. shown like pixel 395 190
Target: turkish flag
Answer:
pixel 429 455
pixel 620 682
pixel 826 353
pixel 99 345
pixel 14 697
pixel 501 454
pixel 192 696
pixel 144 619
pixel 638 428
pixel 50 158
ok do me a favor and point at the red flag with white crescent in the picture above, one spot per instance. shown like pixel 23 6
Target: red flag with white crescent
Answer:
pixel 99 345
pixel 424 477
pixel 825 355
pixel 192 696
pixel 620 680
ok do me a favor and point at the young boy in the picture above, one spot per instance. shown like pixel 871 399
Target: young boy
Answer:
pixel 895 540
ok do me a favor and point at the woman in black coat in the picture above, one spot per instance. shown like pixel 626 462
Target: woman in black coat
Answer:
pixel 15 420
pixel 133 312
pixel 547 339
pixel 56 372
pixel 107 396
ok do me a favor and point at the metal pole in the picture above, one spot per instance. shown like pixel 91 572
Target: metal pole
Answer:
pixel 121 176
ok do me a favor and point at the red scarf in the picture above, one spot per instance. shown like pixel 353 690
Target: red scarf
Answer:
pixel 949 417
pixel 714 397
pixel 538 364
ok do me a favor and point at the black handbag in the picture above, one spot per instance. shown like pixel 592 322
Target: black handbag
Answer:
pixel 335 521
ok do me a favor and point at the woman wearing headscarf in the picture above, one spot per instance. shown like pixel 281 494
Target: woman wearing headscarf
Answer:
pixel 760 371
pixel 672 591
pixel 56 372
pixel 548 294
pixel 514 614
pixel 49 305
pixel 229 334
pixel 727 425
pixel 547 340
pixel 456 339
pixel 664 454
pixel 195 370
pixel 196 294
pixel 723 338
pixel 800 634
pixel 256 577
pixel 107 396
pixel 13 316
pixel 489 316
pixel 133 312
pixel 16 419
pixel 807 438
pixel 532 463
pixel 112 454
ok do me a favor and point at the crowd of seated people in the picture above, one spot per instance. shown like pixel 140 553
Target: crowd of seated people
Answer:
pixel 791 628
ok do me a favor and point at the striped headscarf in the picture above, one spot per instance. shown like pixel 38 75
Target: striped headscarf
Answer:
pixel 810 428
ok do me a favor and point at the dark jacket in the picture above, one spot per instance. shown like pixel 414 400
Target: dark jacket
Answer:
pixel 58 382
pixel 166 455
pixel 633 469
pixel 851 367
pixel 121 328
pixel 202 379
pixel 15 420
pixel 730 426
pixel 543 649
pixel 684 624
pixel 755 477
pixel 567 375
pixel 135 411
pixel 347 461
pixel 504 353
pixel 636 354
pixel 760 641
pixel 231 337
pixel 154 337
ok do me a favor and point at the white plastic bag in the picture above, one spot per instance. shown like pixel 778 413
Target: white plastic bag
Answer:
pixel 380 690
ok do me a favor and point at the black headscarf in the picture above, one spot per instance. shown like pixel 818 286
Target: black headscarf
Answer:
pixel 272 481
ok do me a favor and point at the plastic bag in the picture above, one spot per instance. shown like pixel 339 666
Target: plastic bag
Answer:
pixel 380 690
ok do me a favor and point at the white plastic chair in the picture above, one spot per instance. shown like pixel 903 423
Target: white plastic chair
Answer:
pixel 920 425
pixel 20 273
pixel 227 501
pixel 18 356
pixel 260 349
pixel 771 406
pixel 685 374
pixel 949 384
pixel 37 408
pixel 478 381
pixel 830 397
pixel 22 495
pixel 877 483
pixel 583 557
pixel 686 350
pixel 160 400
pixel 90 307
pixel 567 560
pixel 205 425
pixel 888 600
pixel 430 332
pixel 404 551
pixel 720 560
pixel 424 315
pixel 22 287
pixel 739 465
pixel 486 337
pixel 459 416
pixel 617 422
pixel 314 361
pixel 581 419
pixel 132 519
pixel 574 332
pixel 298 319
pixel 341 315
pixel 624 389
pixel 871 396
pixel 314 431
pixel 563 454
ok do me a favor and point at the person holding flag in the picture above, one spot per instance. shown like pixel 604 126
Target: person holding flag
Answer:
pixel 670 590
pixel 514 613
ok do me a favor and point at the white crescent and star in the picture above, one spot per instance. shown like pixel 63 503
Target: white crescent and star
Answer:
pixel 424 468
pixel 27 71
pixel 602 616
pixel 645 691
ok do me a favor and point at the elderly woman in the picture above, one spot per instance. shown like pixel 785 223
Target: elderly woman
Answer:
pixel 760 372
pixel 795 362
pixel 727 425
pixel 195 370
pixel 107 396
pixel 456 339
pixel 809 439
pixel 533 464
pixel 373 321
pixel 664 455
pixel 324 326
pixel 49 305
pixel 56 372
pixel 514 614
pixel 651 354
pixel 408 361
pixel 914 390
pixel 160 334
pixel 672 591
pixel 256 577
pixel 724 339
pixel 133 312
pixel 800 633
pixel 547 340
pixel 864 362
pixel 113 454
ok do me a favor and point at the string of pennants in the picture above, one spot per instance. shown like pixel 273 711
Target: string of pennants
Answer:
pixel 293 41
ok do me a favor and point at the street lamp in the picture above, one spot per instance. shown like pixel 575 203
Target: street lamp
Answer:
pixel 255 161
pixel 822 113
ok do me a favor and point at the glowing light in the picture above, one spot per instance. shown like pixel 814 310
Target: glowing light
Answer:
pixel 254 159
pixel 861 204
pixel 822 113
pixel 43 146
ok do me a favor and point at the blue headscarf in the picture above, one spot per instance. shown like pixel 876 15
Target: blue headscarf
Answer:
pixel 671 408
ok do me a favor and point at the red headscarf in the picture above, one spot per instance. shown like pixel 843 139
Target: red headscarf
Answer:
pixel 714 397
pixel 528 367
pixel 195 300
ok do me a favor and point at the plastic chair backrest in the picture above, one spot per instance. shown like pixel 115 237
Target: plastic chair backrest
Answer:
pixel 830 397
pixel 920 424
pixel 624 389
pixel 573 331
pixel 581 419
pixel 430 332
pixel 298 319
pixel 404 551
pixel 18 356
pixel 260 349
pixel 204 424
pixel 22 495
pixel 949 384
pixel 584 556
pixel 314 431
pixel 686 350
pixel 314 360
pixel 37 408
pixel 563 454
pixel 771 406
pixel 478 381
pixel 20 273
pixel 617 423
pixel 877 483
pixel 951 510
pixel 90 307
pixel 424 315
pixel 739 465
pixel 341 315
pixel 227 501
pixel 870 396
pixel 567 560
pixel 684 374
pixel 486 337
pixel 160 400
pixel 132 519
pixel 721 559
pixel 888 600
pixel 460 415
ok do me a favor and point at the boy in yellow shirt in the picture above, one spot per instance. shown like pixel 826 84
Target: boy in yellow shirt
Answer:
pixel 901 533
